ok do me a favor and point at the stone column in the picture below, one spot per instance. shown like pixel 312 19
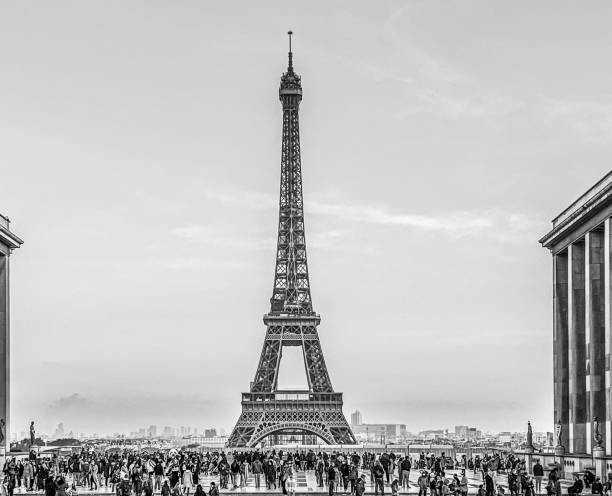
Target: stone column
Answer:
pixel 608 341
pixel 529 459
pixel 577 349
pixel 4 350
pixel 595 332
pixel 600 463
pixel 560 344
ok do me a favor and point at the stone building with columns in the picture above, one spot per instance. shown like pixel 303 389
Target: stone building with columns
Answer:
pixel 580 241
pixel 8 242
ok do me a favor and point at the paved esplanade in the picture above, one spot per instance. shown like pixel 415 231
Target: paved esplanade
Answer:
pixel 8 242
pixel 306 483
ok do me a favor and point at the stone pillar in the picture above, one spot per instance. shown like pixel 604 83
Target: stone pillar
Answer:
pixel 529 459
pixel 4 351
pixel 608 341
pixel 560 344
pixel 560 459
pixel 577 349
pixel 595 332
pixel 599 461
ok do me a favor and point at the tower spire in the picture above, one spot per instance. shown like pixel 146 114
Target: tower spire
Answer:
pixel 290 68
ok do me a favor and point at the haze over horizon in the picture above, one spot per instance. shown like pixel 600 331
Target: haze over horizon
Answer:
pixel 140 163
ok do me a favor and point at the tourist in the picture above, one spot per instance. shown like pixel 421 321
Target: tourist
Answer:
pixel 404 472
pixel 331 479
pixel 147 484
pixel 538 473
pixel 589 478
pixel 378 473
pixel 62 487
pixel 257 469
pixel 489 484
pixel 576 487
pixel 394 487
pixel 360 486
pixel 187 479
pixel 290 484
pixel 385 461
pixel 270 470
pixel 463 484
pixel 319 470
pixel 345 471
pixel 235 473
pixel 244 473
pixel 199 491
pixel 597 487
pixel 423 483
pixel 214 490
pixel 353 476
pixel 165 490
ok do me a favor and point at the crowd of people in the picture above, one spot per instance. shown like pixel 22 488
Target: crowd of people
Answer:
pixel 182 473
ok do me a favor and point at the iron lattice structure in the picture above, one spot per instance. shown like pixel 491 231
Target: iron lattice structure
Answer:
pixel 291 321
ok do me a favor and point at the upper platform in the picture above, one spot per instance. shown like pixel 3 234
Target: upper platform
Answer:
pixel 587 212
pixel 8 239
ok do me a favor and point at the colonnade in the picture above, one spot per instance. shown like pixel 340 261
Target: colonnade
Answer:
pixel 582 297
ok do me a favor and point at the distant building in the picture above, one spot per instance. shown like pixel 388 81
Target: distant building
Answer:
pixel 472 433
pixel 152 431
pixel 208 433
pixel 167 431
pixel 431 433
pixel 461 431
pixel 59 431
pixel 356 418
pixel 505 437
pixel 380 433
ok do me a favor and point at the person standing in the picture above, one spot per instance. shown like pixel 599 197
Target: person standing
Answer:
pixel 423 483
pixel 290 483
pixel 378 472
pixel 353 476
pixel 331 478
pixel 257 469
pixel 270 474
pixel 538 473
pixel 489 485
pixel 235 473
pixel 319 470
pixel 345 472
pixel 404 468
pixel 187 479
pixel 360 486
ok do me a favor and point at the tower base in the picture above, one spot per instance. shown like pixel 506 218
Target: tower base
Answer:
pixel 290 412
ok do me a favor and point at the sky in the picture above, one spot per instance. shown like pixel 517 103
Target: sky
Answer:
pixel 140 162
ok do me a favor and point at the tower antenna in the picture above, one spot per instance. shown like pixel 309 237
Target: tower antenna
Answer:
pixel 290 33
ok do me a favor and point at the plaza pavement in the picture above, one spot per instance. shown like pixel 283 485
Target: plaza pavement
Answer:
pixel 306 484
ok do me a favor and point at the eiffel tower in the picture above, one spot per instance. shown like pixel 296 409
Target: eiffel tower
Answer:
pixel 268 412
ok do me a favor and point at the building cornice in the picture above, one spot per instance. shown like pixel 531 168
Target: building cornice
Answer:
pixel 9 239
pixel 587 206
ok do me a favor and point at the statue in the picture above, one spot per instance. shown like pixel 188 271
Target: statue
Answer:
pixel 32 434
pixel 2 428
pixel 597 437
pixel 529 435
pixel 558 433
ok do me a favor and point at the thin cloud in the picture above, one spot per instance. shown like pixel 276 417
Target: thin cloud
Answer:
pixel 500 224
pixel 211 236
pixel 590 120
pixel 196 263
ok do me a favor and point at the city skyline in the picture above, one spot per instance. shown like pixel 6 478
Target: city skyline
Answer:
pixel 431 168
